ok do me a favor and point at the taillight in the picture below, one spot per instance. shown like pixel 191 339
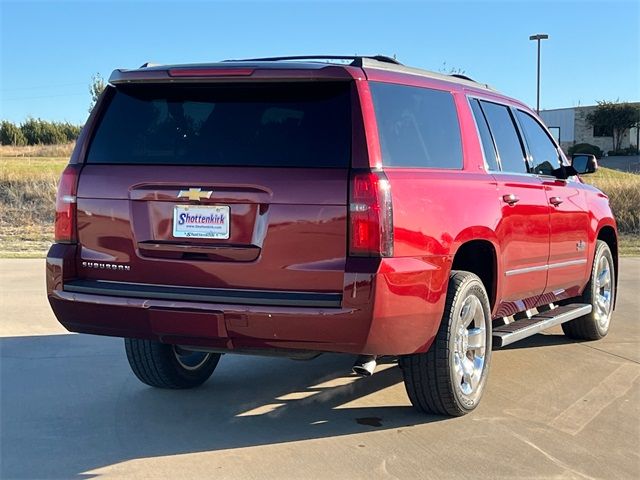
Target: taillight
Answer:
pixel 65 229
pixel 370 215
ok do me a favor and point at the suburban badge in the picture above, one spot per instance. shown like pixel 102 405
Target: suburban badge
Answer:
pixel 107 266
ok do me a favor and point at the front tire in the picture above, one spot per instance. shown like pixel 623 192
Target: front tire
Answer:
pixel 168 366
pixel 450 377
pixel 600 294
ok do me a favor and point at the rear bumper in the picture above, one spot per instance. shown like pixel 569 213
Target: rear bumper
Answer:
pixel 208 295
pixel 389 311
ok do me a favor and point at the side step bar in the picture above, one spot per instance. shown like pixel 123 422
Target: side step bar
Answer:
pixel 512 332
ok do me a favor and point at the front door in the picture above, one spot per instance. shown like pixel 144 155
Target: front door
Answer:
pixel 569 221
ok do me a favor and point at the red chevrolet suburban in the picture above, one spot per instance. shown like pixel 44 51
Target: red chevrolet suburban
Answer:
pixel 293 206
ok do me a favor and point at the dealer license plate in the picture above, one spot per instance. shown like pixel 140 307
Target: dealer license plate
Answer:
pixel 201 222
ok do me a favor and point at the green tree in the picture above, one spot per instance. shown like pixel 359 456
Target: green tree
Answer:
pixel 95 89
pixel 619 117
pixel 38 131
pixel 70 131
pixel 32 131
pixel 10 134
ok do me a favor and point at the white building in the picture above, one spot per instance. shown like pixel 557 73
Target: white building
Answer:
pixel 570 126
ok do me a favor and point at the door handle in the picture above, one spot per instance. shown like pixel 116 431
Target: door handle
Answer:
pixel 555 201
pixel 510 198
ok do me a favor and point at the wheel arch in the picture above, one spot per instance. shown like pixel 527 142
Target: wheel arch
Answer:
pixel 479 256
pixel 609 235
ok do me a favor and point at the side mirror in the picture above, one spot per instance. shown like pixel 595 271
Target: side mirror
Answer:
pixel 584 163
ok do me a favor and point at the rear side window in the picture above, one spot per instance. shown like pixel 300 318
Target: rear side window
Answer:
pixel 544 153
pixel 418 127
pixel 272 125
pixel 485 136
pixel 506 137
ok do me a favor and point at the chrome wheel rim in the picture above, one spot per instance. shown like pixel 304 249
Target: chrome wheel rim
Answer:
pixel 603 293
pixel 470 346
pixel 190 360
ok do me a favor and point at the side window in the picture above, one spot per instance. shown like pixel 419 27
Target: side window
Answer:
pixel 418 127
pixel 485 136
pixel 506 137
pixel 542 149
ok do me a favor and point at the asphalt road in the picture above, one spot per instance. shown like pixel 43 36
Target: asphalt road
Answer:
pixel 625 164
pixel 70 408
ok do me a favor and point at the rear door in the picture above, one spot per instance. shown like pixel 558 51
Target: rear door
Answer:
pixel 523 230
pixel 237 186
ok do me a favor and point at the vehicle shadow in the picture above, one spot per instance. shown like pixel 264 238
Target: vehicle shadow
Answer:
pixel 70 405
pixel 540 340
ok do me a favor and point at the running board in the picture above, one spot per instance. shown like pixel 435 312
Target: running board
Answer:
pixel 512 332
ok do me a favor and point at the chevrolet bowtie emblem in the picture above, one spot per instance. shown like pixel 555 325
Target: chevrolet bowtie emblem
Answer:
pixel 195 194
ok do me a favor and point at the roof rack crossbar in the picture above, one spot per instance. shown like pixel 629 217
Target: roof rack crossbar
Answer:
pixel 356 60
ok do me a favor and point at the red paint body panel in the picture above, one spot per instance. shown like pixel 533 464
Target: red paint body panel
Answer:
pixel 289 233
pixel 569 224
pixel 274 212
pixel 523 231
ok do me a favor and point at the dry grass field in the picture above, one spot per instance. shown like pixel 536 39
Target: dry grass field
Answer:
pixel 27 204
pixel 28 177
pixel 40 151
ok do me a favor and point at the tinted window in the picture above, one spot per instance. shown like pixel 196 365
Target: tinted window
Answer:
pixel 304 125
pixel 506 137
pixel 542 150
pixel 418 127
pixel 485 136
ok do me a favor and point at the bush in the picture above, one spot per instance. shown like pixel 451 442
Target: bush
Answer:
pixel 585 148
pixel 38 132
pixel 10 134
pixel 70 131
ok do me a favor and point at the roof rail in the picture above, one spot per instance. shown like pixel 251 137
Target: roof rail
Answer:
pixel 463 77
pixel 356 60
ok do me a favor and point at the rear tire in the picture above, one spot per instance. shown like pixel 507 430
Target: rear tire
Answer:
pixel 450 377
pixel 600 294
pixel 167 366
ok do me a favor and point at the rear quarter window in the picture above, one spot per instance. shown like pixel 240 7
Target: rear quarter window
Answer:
pixel 418 127
pixel 262 125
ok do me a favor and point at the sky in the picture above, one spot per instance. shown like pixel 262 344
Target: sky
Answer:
pixel 50 50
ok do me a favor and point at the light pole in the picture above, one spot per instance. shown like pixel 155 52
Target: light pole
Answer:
pixel 538 37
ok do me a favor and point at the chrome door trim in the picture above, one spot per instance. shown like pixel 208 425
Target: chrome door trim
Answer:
pixel 569 263
pixel 518 271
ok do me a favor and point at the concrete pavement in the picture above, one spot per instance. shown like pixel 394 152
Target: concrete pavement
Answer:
pixel 70 408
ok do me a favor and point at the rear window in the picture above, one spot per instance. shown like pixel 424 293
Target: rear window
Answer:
pixel 274 125
pixel 418 127
pixel 506 137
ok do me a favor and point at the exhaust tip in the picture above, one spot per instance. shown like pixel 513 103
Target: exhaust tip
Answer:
pixel 364 365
